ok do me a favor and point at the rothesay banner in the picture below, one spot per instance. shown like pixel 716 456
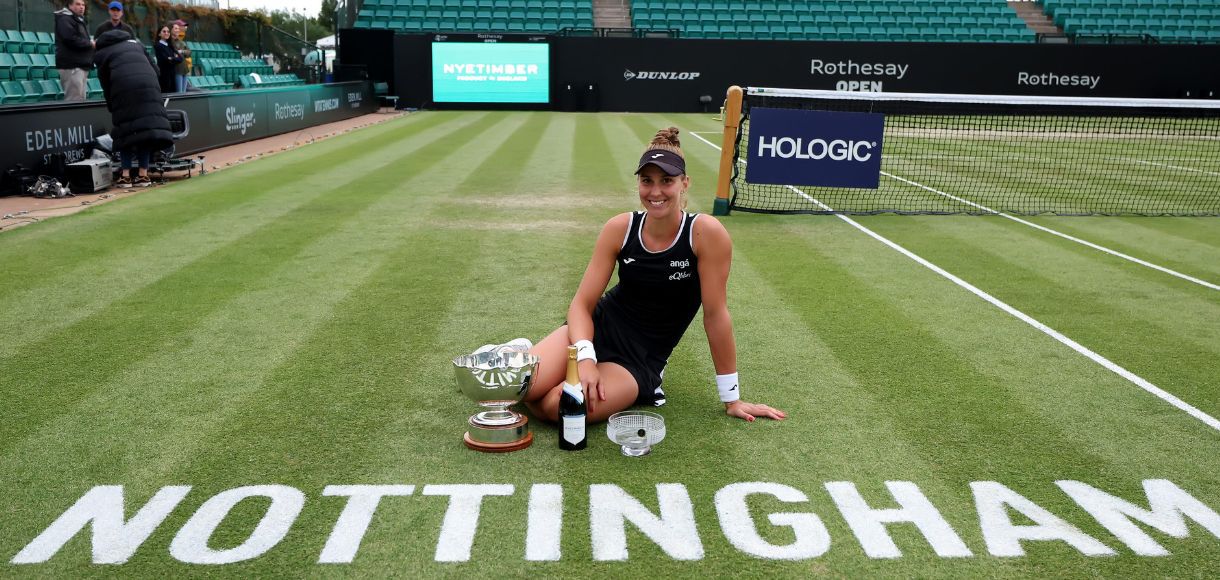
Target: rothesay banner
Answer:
pixel 815 148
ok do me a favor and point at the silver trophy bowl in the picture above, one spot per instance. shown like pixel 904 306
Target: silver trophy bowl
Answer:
pixel 496 380
pixel 636 431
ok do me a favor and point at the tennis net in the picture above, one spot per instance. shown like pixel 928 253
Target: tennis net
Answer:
pixel 974 154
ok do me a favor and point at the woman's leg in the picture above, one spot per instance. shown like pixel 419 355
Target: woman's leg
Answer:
pixel 543 397
pixel 553 367
pixel 144 158
pixel 619 386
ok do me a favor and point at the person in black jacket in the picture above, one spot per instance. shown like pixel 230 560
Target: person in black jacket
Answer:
pixel 133 95
pixel 73 49
pixel 167 59
pixel 115 22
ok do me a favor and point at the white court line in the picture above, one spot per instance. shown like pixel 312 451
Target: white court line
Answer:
pixel 1100 248
pixel 1059 233
pixel 1097 358
pixel 1178 167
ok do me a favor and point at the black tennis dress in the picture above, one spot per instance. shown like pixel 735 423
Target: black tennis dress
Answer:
pixel 640 320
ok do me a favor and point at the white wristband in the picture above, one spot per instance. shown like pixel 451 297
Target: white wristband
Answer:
pixel 727 385
pixel 584 350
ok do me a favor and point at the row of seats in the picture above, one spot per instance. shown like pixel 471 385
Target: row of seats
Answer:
pixel 480 15
pixel 853 33
pixel 1167 20
pixel 480 24
pixel 268 81
pixel 27 41
pixel 21 66
pixel 997 22
pixel 823 8
pixel 231 69
pixel 534 4
pixel 210 83
pixel 1138 4
pixel 34 91
pixel 850 20
pixel 212 50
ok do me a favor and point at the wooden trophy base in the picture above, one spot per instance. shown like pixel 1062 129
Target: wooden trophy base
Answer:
pixel 500 438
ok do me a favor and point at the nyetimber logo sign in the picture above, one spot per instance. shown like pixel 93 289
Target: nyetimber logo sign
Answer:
pixel 235 121
pixel 649 75
pixel 1010 522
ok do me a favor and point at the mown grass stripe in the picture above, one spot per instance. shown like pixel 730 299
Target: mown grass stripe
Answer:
pixel 79 288
pixel 157 315
pixel 1071 292
pixel 590 151
pixel 239 344
pixel 1162 240
pixel 127 219
pixel 357 392
pixel 1063 235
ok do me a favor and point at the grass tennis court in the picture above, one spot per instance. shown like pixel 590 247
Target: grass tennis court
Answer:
pixel 288 323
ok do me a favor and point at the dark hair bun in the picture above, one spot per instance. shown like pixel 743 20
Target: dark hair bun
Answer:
pixel 668 136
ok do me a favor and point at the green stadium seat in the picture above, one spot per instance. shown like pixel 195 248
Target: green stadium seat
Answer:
pixel 6 66
pixel 48 42
pixel 14 93
pixel 51 89
pixel 21 66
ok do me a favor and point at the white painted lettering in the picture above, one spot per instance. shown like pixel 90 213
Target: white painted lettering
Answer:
pixel 114 540
pixel 610 508
pixel 868 524
pixel 1003 538
pixel 1169 506
pixel 812 539
pixel 354 521
pixel 462 518
pixel 191 543
pixel 545 523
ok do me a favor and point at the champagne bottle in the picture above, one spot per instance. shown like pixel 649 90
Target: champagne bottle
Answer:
pixel 572 410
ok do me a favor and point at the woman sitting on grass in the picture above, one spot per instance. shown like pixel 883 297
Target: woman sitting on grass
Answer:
pixel 670 262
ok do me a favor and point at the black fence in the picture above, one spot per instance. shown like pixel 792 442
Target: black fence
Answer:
pixel 30 134
pixel 667 74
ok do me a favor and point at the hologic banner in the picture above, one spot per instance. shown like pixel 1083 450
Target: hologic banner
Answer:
pixel 818 148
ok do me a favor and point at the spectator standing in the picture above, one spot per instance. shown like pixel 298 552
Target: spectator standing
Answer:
pixel 183 68
pixel 115 22
pixel 190 61
pixel 133 96
pixel 167 58
pixel 73 49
